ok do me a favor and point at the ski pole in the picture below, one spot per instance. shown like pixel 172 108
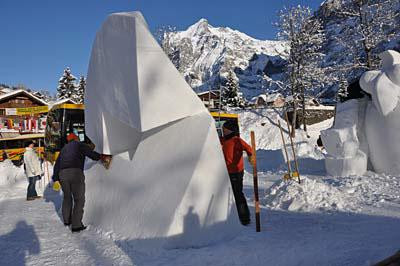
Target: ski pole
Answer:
pixel 286 153
pixel 294 153
pixel 255 182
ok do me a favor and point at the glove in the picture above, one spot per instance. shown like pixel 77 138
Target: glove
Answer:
pixel 56 186
pixel 106 160
pixel 251 160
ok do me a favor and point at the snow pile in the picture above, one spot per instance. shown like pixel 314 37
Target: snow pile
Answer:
pixel 168 181
pixel 310 195
pixel 357 194
pixel 9 173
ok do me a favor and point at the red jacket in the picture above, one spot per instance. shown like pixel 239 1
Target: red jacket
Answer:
pixel 233 151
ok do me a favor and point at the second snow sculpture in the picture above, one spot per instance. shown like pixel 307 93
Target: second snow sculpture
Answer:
pixel 367 130
pixel 383 114
pixel 168 180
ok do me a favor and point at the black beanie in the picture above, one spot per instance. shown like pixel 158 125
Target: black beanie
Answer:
pixel 231 125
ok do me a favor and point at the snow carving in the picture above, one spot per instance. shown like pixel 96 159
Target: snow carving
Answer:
pixel 383 114
pixel 367 130
pixel 342 142
pixel 168 181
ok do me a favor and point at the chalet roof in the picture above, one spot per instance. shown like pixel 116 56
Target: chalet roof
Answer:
pixel 51 104
pixel 18 92
pixel 215 92
pixel 268 98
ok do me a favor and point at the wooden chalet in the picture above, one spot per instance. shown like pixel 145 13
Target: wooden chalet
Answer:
pixel 21 112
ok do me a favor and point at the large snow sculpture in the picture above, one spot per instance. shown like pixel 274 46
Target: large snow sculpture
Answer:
pixel 168 180
pixel 342 142
pixel 383 114
pixel 368 130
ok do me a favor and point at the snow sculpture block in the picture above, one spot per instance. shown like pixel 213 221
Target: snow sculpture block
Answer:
pixel 382 119
pixel 342 143
pixel 347 114
pixel 168 180
pixel 338 166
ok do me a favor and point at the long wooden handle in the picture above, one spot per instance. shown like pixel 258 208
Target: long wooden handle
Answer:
pixel 255 182
pixel 294 153
pixel 284 148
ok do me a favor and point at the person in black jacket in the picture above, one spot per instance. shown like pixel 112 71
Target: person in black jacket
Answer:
pixel 69 171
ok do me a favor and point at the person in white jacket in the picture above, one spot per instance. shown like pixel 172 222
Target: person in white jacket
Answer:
pixel 32 170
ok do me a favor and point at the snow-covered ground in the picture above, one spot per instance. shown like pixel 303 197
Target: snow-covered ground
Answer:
pixel 351 220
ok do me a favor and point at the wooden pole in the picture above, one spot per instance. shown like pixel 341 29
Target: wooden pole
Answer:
pixel 41 166
pixel 294 153
pixel 255 182
pixel 284 147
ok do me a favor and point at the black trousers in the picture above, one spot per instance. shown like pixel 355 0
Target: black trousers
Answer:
pixel 73 185
pixel 241 203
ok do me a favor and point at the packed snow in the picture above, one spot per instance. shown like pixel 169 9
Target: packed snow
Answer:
pixel 325 220
pixel 162 148
pixel 366 130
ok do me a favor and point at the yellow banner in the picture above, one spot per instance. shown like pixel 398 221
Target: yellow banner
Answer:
pixel 32 110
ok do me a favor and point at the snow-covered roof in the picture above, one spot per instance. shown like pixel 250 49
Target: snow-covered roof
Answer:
pixel 16 92
pixel 51 104
pixel 215 92
pixel 4 90
pixel 273 97
pixel 268 97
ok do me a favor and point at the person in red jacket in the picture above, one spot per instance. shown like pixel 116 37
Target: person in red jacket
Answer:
pixel 233 147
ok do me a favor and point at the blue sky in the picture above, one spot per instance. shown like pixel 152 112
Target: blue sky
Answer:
pixel 40 38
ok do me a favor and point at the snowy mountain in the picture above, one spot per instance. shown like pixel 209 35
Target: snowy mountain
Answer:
pixel 205 54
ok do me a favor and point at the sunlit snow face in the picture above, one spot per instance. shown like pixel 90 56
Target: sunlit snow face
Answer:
pixel 384 84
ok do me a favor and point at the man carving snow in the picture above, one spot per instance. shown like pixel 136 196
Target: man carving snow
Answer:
pixel 69 171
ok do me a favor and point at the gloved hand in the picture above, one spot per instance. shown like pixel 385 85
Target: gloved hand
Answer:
pixel 251 159
pixel 106 160
pixel 56 186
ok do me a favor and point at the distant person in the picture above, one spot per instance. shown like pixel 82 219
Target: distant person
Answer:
pixel 233 147
pixel 4 155
pixel 319 143
pixel 32 170
pixel 69 171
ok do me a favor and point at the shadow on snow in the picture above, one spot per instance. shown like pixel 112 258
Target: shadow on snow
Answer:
pixel 17 244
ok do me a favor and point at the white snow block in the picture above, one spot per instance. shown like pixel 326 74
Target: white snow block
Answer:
pixel 382 119
pixel 141 89
pixel 347 114
pixel 168 181
pixel 356 165
pixel 341 142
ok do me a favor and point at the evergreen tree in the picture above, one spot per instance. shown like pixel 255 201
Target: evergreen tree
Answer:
pixel 66 85
pixel 79 94
pixel 342 92
pixel 231 95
